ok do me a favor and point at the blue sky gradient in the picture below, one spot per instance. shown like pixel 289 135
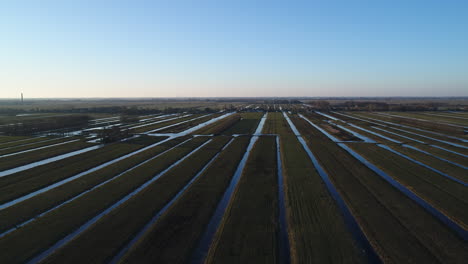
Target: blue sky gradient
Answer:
pixel 233 48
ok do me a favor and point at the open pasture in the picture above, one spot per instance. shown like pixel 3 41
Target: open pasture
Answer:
pixel 288 185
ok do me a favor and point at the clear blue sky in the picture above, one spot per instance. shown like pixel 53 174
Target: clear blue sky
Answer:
pixel 72 48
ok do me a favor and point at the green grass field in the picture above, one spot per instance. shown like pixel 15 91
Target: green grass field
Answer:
pixel 175 235
pixel 249 231
pixel 101 242
pixel 36 236
pixel 377 206
pixel 313 239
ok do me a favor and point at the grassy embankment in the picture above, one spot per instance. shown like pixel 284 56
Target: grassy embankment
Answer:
pixel 249 231
pixel 399 229
pixel 101 242
pixel 317 231
pixel 37 236
pixel 175 235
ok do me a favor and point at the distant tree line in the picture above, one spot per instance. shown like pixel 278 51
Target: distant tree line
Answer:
pixel 324 105
pixel 111 110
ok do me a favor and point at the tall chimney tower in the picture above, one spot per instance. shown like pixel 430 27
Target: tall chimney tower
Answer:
pixel 21 98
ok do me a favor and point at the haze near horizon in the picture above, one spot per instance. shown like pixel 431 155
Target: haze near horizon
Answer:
pixel 52 49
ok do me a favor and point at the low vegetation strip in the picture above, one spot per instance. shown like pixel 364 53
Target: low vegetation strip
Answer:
pixel 313 239
pixel 174 236
pixel 26 158
pixel 101 242
pixel 250 228
pixel 220 126
pixel 247 124
pixel 409 232
pixel 26 211
pixel 46 231
pixel 445 194
pixel 18 184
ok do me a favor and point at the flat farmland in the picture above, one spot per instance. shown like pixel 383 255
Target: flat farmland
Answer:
pixel 287 185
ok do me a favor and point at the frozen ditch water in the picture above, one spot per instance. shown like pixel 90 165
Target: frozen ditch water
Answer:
pixel 448 150
pixel 418 119
pixel 176 124
pixel 157 122
pixel 42 256
pixel 155 218
pixel 208 235
pixel 332 138
pixel 417 129
pixel 443 218
pixel 421 164
pixel 88 190
pixel 329 116
pixel 28 144
pixel 193 129
pixel 156 117
pixel 390 123
pixel 284 252
pixel 439 158
pixel 438 140
pixel 62 182
pixel 375 133
pixel 366 139
pixel 29 150
pixel 399 135
pixel 363 138
pixel 351 223
pixel 46 161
